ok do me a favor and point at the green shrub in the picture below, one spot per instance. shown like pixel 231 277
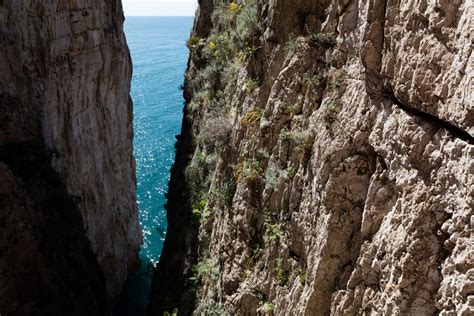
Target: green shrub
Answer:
pixel 273 231
pixel 291 171
pixel 311 80
pixel 205 269
pixel 250 49
pixel 251 85
pixel 268 307
pixel 323 40
pixel 330 113
pixel 285 135
pixel 196 173
pixel 249 170
pixel 173 313
pixel 292 109
pixel 337 79
pixel 215 131
pixel 302 277
pixel 226 192
pixel 193 41
pixel 304 139
pixel 237 26
pixel 248 23
pixel 299 273
pixel 200 210
pixel 280 273
pixel 209 307
pixel 291 45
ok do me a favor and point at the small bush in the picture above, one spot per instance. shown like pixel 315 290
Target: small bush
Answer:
pixel 311 80
pixel 323 40
pixel 291 171
pixel 251 85
pixel 193 41
pixel 291 45
pixel 337 79
pixel 238 24
pixel 196 174
pixel 249 170
pixel 250 49
pixel 235 8
pixel 205 269
pixel 216 131
pixel 302 277
pixel 173 313
pixel 273 231
pixel 201 211
pixel 210 307
pixel 281 274
pixel 292 109
pixel 300 274
pixel 330 113
pixel 252 118
pixel 226 192
pixel 304 139
pixel 286 135
pixel 268 307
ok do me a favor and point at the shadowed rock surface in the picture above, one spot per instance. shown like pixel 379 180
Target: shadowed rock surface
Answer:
pixel 70 233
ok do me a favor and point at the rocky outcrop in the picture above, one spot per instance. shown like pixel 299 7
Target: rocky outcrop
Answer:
pixel 67 169
pixel 333 160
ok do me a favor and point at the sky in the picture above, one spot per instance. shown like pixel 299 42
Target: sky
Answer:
pixel 159 7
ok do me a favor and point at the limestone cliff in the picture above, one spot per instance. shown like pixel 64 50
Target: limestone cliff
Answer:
pixel 332 161
pixel 68 210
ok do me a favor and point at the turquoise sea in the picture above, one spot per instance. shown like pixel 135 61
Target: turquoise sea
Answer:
pixel 159 56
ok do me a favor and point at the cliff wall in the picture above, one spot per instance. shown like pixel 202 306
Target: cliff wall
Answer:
pixel 67 169
pixel 332 166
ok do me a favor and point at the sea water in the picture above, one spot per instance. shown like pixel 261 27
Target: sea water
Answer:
pixel 159 56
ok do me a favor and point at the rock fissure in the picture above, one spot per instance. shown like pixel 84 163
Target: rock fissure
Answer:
pixel 454 130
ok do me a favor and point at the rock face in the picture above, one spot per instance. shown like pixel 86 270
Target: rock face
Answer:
pixel 67 174
pixel 332 166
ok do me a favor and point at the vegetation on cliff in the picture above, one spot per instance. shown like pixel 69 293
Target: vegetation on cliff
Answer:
pixel 311 159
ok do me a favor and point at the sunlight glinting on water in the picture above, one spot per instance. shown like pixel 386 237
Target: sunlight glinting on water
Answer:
pixel 159 58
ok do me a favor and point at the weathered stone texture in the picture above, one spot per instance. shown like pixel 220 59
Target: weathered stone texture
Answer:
pixel 376 212
pixel 65 74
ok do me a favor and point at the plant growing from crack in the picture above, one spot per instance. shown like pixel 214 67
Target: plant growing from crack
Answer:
pixel 252 118
pixel 323 40
pixel 249 170
pixel 273 231
pixel 268 308
pixel 280 273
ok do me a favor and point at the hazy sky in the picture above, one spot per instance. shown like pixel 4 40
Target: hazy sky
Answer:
pixel 159 7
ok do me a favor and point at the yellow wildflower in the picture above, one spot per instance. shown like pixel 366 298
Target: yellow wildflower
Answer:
pixel 235 8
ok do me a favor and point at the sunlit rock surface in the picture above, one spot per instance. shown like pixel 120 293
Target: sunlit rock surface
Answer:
pixel 353 162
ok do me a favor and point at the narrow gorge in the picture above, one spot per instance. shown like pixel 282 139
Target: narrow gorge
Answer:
pixel 325 164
